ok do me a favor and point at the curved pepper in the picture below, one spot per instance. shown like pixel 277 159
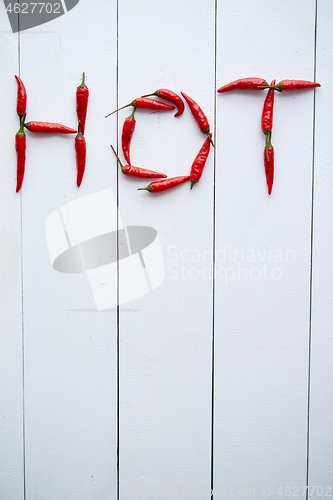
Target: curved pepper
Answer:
pixel 170 96
pixel 126 137
pixel 199 116
pixel 157 187
pixel 21 97
pixel 243 84
pixel 137 171
pixel 146 103
pixel 199 163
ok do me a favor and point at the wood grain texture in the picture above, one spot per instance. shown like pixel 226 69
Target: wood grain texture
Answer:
pixel 70 349
pixel 263 279
pixel 11 371
pixel 321 389
pixel 165 342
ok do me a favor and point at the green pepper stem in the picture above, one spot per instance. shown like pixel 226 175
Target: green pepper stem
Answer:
pixel 148 188
pixel 79 133
pixel 132 115
pixel 83 83
pixel 22 118
pixel 277 87
pixel 192 183
pixel 121 165
pixel 268 144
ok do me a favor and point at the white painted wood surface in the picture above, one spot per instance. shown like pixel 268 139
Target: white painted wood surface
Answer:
pixel 221 377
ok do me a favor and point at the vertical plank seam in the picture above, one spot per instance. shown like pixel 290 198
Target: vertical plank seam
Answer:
pixel 311 253
pixel 22 294
pixel 117 184
pixel 213 271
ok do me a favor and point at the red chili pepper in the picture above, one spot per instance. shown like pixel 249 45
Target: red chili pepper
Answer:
pixel 49 128
pixel 199 163
pixel 21 97
pixel 82 94
pixel 199 116
pixel 156 187
pixel 267 112
pixel 244 83
pixel 266 126
pixel 80 148
pixel 137 171
pixel 269 166
pixel 144 102
pixel 170 96
pixel 128 130
pixel 293 85
pixel 20 146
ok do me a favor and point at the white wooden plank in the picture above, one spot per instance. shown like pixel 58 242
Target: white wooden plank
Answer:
pixel 11 399
pixel 70 348
pixel 165 336
pixel 321 399
pixel 263 252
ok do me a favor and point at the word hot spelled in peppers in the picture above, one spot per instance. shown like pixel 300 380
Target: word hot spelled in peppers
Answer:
pixel 266 127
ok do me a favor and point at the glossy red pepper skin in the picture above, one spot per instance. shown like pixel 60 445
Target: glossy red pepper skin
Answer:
pixel 126 137
pixel 82 95
pixel 137 171
pixel 21 106
pixel 199 163
pixel 198 115
pixel 49 128
pixel 20 146
pixel 81 151
pixel 142 172
pixel 295 85
pixel 243 84
pixel 146 103
pixel 157 187
pixel 269 167
pixel 267 113
pixel 170 96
